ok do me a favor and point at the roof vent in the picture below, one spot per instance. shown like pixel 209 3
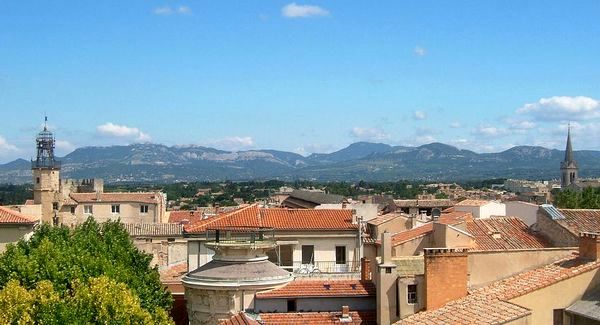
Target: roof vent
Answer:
pixel 496 235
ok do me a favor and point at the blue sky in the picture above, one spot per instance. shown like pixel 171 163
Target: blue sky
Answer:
pixel 300 76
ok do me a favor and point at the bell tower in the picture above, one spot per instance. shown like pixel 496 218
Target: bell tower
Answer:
pixel 568 167
pixel 46 175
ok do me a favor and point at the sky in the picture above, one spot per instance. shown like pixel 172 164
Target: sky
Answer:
pixel 305 77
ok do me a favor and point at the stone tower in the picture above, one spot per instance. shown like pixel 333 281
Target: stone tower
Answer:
pixel 46 175
pixel 568 167
pixel 240 267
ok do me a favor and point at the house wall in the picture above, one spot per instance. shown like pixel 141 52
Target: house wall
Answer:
pixel 560 295
pixel 11 234
pixel 446 236
pixel 484 211
pixel 407 309
pixel 413 247
pixel 522 210
pixel 34 211
pixel 102 211
pixel 164 253
pixel 489 266
pixel 279 305
pixel 394 226
pixel 554 232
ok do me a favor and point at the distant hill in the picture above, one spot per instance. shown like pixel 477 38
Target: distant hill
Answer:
pixel 358 161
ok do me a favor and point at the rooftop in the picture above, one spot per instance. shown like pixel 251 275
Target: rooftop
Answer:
pixel 472 203
pixel 8 216
pixel 318 318
pixel 239 319
pixel 278 219
pixel 577 221
pixel 489 305
pixel 452 218
pixel 317 197
pixel 119 197
pixel 321 288
pixel 434 203
pixel 386 218
pixel 500 233
pixel 154 229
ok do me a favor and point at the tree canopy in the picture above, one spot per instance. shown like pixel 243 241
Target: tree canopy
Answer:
pixel 588 198
pixel 85 267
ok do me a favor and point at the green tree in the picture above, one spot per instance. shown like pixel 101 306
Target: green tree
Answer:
pixel 69 257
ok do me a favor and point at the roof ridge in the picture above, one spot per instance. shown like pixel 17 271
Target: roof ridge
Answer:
pixel 214 219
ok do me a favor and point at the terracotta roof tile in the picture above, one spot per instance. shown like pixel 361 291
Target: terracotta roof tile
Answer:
pixel 174 272
pixel 239 319
pixel 154 229
pixel 278 218
pixel 8 216
pixel 318 318
pixel 490 304
pixel 503 233
pixel 435 203
pixel 452 218
pixel 580 220
pixel 386 218
pixel 150 198
pixel 472 203
pixel 321 288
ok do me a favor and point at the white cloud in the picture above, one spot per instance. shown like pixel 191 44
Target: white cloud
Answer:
pixel 6 147
pixel 308 149
pixel 369 134
pixel 455 125
pixel 419 115
pixel 294 10
pixel 420 51
pixel 64 145
pixel 232 143
pixel 425 139
pixel 168 10
pixel 490 131
pixel 522 125
pixel 561 108
pixel 123 132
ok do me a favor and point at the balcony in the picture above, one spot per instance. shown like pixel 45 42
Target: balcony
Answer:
pixel 322 267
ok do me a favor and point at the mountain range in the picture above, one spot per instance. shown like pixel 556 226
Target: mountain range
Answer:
pixel 359 161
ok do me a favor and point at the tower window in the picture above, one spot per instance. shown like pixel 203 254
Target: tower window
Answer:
pixel 87 209
pixel 116 208
pixel 37 180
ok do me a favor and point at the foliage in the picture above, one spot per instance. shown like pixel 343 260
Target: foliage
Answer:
pixel 102 301
pixel 15 194
pixel 588 198
pixel 70 257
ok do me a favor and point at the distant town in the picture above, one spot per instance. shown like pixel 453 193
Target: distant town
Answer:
pixel 305 252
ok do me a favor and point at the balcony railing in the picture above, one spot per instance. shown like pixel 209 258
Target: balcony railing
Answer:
pixel 240 235
pixel 320 267
pixel 46 163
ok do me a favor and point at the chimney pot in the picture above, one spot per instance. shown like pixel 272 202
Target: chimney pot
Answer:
pixel 345 311
pixel 589 245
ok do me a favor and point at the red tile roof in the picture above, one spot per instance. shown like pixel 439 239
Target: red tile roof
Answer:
pixel 183 216
pixel 318 318
pixel 278 218
pixel 580 220
pixel 385 218
pixel 503 233
pixel 8 216
pixel 239 319
pixel 150 198
pixel 490 304
pixel 472 203
pixel 321 288
pixel 452 218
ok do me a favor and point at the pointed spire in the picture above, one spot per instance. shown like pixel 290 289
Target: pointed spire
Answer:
pixel 569 149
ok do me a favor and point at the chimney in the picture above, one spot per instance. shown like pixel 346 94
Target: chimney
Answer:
pixel 589 245
pixel 365 269
pixel 386 248
pixel 345 311
pixel 354 218
pixel 446 276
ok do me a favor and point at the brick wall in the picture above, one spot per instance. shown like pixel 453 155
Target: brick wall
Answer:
pixel 445 276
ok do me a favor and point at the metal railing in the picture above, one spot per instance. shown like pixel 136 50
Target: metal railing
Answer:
pixel 319 267
pixel 46 163
pixel 240 235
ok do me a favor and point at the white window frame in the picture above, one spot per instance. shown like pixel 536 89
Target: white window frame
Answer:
pixel 115 208
pixel 88 209
pixel 412 295
pixel 144 208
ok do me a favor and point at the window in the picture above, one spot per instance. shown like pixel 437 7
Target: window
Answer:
pixel 291 305
pixel 87 209
pixel 116 208
pixel 54 205
pixel 143 209
pixel 308 254
pixel 37 180
pixel 340 254
pixel 412 294
pixel 72 210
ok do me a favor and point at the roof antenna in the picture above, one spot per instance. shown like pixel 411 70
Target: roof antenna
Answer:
pixel 45 121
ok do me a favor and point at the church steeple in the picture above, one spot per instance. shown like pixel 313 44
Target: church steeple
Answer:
pixel 568 167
